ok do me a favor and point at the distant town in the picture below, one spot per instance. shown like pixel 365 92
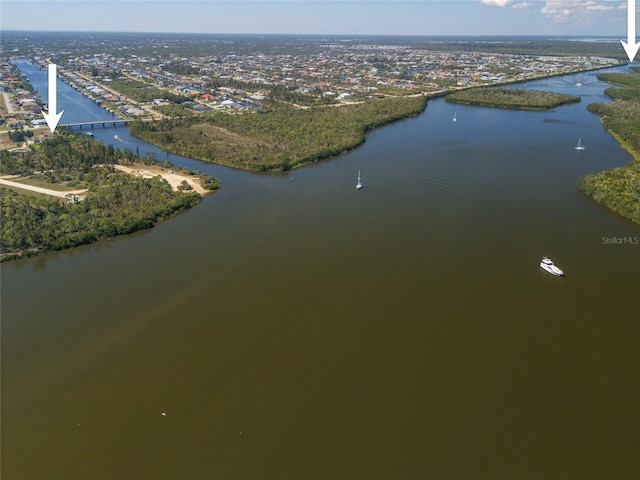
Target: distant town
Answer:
pixel 166 77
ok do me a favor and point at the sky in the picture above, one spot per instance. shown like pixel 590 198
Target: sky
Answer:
pixel 356 17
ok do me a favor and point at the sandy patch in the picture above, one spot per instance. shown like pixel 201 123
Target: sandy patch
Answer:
pixel 173 178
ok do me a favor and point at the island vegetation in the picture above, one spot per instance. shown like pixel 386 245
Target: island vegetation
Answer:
pixel 513 98
pixel 619 188
pixel 114 203
pixel 276 139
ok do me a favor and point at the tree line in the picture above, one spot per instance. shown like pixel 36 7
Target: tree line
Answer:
pixel 276 140
pixel 511 98
pixel 116 203
pixel 119 204
pixel 619 188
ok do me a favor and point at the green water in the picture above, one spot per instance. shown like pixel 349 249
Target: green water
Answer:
pixel 290 327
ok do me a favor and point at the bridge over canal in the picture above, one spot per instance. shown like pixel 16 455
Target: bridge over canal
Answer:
pixel 115 122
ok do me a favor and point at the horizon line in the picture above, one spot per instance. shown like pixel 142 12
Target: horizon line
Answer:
pixel 507 35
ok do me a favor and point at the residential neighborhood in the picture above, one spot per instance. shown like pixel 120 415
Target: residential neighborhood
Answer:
pixel 158 78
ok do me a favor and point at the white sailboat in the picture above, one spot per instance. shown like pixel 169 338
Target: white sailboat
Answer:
pixel 454 117
pixel 359 185
pixel 579 146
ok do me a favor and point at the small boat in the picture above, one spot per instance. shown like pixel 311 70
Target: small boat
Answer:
pixel 579 146
pixel 116 137
pixel 548 265
pixel 454 117
pixel 359 185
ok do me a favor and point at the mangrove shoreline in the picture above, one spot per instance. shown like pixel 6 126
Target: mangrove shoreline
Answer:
pixel 511 98
pixel 114 203
pixel 619 188
pixel 277 140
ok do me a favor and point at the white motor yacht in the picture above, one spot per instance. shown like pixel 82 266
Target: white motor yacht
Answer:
pixel 550 267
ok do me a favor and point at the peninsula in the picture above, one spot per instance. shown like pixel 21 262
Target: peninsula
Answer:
pixel 279 139
pixel 70 190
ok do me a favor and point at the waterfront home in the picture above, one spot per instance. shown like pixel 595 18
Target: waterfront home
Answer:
pixel 16 123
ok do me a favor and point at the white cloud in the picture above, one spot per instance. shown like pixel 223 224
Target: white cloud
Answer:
pixel 578 13
pixel 506 3
pixel 497 3
pixel 582 11
pixel 562 8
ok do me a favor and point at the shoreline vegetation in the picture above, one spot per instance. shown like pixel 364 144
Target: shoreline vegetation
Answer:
pixel 115 203
pixel 223 138
pixel 127 193
pixel 276 140
pixel 619 188
pixel 511 98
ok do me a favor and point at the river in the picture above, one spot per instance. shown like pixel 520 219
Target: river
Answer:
pixel 290 326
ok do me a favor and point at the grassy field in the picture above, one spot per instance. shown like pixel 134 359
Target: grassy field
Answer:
pixel 58 187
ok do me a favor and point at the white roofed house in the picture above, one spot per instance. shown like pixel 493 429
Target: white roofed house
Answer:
pixel 136 112
pixel 232 104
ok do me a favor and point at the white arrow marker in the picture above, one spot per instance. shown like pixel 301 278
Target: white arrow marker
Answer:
pixel 52 117
pixel 630 46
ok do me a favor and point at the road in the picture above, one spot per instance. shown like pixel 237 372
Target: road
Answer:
pixel 46 191
pixel 8 104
